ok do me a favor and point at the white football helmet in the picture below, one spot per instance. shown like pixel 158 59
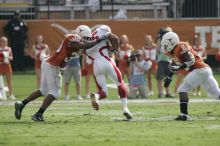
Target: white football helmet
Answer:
pixel 105 28
pixel 84 31
pixel 169 41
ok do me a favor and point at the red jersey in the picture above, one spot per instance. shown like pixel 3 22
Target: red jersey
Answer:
pixel 180 49
pixel 65 52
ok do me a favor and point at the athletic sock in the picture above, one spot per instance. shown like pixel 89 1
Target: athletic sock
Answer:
pixel 24 102
pixel 184 108
pixel 124 102
pixel 41 111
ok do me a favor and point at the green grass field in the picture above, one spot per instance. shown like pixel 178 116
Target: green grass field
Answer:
pixel 75 123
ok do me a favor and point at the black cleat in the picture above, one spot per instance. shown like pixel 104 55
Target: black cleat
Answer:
pixel 18 109
pixel 182 118
pixel 128 115
pixel 38 117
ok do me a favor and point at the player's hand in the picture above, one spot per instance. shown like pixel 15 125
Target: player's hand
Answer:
pixel 167 81
pixel 174 68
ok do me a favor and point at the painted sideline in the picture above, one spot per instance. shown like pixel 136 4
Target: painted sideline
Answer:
pixel 133 101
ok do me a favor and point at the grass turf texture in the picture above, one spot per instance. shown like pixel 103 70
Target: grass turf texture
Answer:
pixel 77 124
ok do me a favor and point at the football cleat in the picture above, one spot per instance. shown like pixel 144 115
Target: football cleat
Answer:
pixel 18 109
pixel 94 101
pixel 182 117
pixel 38 117
pixel 127 114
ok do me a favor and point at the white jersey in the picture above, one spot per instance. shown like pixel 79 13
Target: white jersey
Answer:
pixel 100 49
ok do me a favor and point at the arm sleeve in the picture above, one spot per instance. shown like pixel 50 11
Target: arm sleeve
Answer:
pixel 189 59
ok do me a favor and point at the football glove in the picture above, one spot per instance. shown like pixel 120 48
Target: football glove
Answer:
pixel 174 68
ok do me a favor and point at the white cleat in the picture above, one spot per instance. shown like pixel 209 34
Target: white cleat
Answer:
pixel 94 101
pixel 127 114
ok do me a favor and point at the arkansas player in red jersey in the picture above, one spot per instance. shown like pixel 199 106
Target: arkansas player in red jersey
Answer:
pixel 200 73
pixel 50 76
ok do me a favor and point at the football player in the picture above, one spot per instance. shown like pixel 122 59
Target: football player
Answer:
pixel 200 73
pixel 50 76
pixel 103 66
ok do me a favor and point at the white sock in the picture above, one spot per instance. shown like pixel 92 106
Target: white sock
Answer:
pixel 124 103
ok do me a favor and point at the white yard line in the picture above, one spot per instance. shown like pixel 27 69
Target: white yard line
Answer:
pixel 133 101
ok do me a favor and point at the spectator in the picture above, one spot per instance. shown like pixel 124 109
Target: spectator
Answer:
pixel 163 62
pixel 137 69
pixel 121 14
pixel 16 30
pixel 202 54
pixel 5 65
pixel 150 54
pixel 124 53
pixel 40 49
pixel 87 71
pixel 72 69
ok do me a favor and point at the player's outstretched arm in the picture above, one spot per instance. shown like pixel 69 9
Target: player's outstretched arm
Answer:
pixel 86 45
pixel 83 45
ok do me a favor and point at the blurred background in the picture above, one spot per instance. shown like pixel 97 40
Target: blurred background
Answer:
pixel 42 14
pixel 110 9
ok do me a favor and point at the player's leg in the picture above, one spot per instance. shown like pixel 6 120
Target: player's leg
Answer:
pixel 54 83
pixel 192 80
pixel 100 80
pixel 211 85
pixel 19 106
pixel 115 75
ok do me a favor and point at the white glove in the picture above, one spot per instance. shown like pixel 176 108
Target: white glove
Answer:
pixel 174 68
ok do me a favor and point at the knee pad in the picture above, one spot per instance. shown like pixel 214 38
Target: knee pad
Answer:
pixel 183 97
pixel 122 91
pixel 102 94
